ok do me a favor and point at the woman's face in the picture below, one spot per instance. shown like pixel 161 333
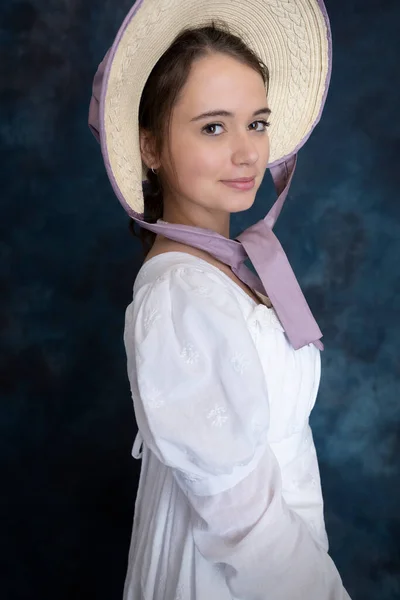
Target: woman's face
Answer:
pixel 208 152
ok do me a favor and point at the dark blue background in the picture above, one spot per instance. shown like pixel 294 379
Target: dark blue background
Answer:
pixel 67 268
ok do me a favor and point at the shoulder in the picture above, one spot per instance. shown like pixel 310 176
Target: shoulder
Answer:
pixel 179 299
pixel 179 275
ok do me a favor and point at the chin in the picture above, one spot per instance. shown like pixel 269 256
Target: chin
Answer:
pixel 241 204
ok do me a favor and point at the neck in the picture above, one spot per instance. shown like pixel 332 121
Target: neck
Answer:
pixel 205 219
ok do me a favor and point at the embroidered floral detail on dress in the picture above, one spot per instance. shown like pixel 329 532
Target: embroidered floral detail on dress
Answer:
pixel 191 477
pixel 217 414
pixel 240 363
pixel 143 271
pixel 162 277
pixel 153 396
pixel 265 317
pixel 202 291
pixel 189 354
pixel 312 480
pixel 152 316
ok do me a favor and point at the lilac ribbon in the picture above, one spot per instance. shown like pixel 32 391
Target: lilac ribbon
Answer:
pixel 273 267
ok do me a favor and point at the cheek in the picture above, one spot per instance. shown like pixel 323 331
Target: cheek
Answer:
pixel 197 166
pixel 203 163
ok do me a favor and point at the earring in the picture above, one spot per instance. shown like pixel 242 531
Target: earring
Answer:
pixel 154 171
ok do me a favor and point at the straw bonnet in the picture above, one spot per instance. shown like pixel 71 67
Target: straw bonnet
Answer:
pixel 292 37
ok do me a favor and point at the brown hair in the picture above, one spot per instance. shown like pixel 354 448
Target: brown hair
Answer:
pixel 161 91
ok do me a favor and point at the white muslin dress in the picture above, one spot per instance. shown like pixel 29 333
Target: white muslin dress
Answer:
pixel 229 503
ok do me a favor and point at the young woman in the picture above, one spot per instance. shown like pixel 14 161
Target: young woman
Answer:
pixel 229 503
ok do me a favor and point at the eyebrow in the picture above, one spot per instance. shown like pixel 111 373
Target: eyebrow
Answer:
pixel 226 113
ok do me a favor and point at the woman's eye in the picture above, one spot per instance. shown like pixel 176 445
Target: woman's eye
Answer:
pixel 264 124
pixel 211 126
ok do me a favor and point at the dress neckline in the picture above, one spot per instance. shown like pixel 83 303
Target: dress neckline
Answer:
pixel 214 268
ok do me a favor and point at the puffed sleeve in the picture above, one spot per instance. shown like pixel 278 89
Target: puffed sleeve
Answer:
pixel 201 405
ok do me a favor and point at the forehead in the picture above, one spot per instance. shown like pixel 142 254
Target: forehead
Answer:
pixel 223 80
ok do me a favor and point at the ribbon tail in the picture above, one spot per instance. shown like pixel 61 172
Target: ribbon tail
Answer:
pixel 249 278
pixel 271 263
pixel 282 176
pixel 137 450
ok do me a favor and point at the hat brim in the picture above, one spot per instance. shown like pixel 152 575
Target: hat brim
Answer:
pixel 292 37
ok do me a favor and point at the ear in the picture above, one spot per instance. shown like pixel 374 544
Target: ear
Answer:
pixel 147 149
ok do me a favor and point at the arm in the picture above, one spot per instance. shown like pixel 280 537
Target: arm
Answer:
pixel 201 404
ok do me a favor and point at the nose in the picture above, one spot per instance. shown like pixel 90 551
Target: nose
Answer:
pixel 244 151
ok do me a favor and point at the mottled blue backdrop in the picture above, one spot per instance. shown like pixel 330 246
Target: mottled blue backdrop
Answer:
pixel 67 268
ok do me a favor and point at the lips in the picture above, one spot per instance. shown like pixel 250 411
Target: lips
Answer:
pixel 244 184
pixel 239 180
